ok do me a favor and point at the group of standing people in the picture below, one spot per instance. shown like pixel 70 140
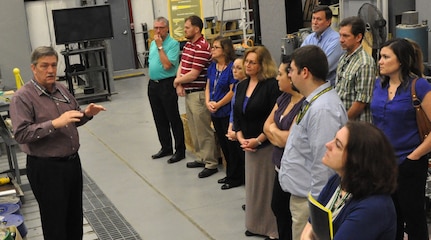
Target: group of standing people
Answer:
pixel 367 187
pixel 276 128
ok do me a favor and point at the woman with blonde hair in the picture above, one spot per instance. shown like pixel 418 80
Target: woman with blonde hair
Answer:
pixel 255 97
pixel 234 168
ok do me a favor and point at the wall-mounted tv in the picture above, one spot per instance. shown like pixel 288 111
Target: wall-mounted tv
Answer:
pixel 72 25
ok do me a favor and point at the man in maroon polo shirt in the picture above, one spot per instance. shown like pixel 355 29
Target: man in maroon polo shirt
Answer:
pixel 190 82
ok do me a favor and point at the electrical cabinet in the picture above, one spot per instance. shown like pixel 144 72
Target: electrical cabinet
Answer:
pixel 88 79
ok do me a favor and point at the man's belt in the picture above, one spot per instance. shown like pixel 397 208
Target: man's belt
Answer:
pixel 194 90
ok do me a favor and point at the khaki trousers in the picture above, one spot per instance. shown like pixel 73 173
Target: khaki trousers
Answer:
pixel 202 135
pixel 300 213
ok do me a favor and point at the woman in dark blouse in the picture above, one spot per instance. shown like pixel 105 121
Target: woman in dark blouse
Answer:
pixel 276 129
pixel 255 97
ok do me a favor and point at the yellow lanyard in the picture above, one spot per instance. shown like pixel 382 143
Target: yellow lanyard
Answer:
pixel 307 106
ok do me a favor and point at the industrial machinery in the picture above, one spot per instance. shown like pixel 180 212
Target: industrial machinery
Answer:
pixel 294 40
pixel 411 29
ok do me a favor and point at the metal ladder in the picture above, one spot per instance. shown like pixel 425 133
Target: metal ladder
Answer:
pixel 242 10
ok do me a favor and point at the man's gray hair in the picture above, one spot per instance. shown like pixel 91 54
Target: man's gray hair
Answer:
pixel 164 20
pixel 42 51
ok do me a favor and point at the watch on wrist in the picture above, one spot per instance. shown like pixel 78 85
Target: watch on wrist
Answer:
pixel 160 48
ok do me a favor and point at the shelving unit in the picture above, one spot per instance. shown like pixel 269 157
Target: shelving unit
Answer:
pixel 88 79
pixel 246 24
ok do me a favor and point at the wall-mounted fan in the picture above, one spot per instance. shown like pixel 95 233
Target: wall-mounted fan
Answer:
pixel 375 27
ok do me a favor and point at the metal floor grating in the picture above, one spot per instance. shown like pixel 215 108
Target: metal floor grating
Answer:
pixel 106 221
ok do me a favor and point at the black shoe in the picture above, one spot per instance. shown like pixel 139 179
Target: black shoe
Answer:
pixel 250 234
pixel 195 164
pixel 161 153
pixel 243 207
pixel 222 180
pixel 227 186
pixel 207 172
pixel 176 157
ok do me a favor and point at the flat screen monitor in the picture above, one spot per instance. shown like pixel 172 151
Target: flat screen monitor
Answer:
pixel 73 25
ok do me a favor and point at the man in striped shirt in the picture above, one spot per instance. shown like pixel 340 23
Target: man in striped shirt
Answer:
pixel 190 82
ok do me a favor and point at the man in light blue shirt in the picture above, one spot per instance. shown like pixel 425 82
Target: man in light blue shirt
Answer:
pixel 322 115
pixel 326 38
pixel 163 65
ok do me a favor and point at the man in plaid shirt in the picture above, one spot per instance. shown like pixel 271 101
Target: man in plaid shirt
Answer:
pixel 356 71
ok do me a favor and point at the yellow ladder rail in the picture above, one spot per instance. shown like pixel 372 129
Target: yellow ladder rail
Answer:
pixel 18 80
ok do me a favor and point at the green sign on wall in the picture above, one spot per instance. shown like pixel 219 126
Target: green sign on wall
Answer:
pixel 180 10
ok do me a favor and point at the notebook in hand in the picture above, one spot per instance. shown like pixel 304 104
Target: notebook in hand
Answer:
pixel 321 219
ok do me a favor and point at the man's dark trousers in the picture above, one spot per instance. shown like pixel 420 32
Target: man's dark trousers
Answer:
pixel 57 187
pixel 164 105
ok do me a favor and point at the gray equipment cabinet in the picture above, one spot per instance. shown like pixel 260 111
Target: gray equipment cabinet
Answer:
pixel 88 79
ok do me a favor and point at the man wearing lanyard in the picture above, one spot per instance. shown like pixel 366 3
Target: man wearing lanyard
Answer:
pixel 190 82
pixel 322 115
pixel 163 64
pixel 45 117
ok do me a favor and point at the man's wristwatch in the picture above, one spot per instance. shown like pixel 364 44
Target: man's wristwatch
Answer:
pixel 160 48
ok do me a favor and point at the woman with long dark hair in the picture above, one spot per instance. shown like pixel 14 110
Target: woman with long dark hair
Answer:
pixel 359 195
pixel 277 129
pixel 393 112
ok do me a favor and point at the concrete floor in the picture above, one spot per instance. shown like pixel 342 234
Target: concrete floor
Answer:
pixel 160 201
